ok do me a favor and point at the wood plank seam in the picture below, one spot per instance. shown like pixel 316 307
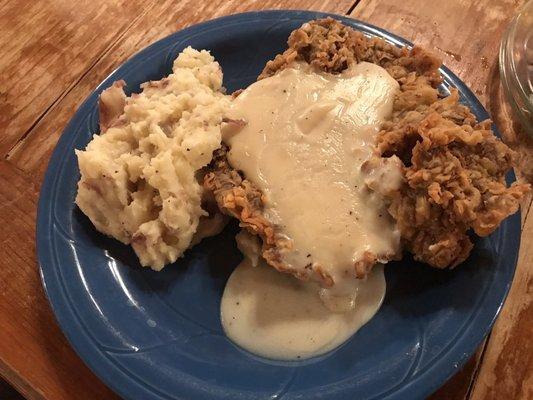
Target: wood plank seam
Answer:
pixel 71 87
pixel 355 4
pixel 477 367
pixel 19 383
pixel 527 210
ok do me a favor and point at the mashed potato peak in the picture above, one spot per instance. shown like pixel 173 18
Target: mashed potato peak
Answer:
pixel 139 177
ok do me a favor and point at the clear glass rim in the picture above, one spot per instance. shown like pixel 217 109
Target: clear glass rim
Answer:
pixel 514 88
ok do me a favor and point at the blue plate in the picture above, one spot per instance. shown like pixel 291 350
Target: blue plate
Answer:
pixel 155 335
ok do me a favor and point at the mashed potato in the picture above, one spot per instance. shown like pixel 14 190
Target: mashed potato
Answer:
pixel 139 178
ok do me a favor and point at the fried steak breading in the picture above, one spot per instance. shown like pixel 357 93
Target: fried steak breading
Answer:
pixel 240 198
pixel 453 166
pixel 454 179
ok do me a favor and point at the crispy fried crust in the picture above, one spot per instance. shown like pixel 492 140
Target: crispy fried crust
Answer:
pixel 454 167
pixel 332 47
pixel 455 179
pixel 240 198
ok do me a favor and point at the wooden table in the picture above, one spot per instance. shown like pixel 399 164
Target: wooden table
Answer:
pixel 53 53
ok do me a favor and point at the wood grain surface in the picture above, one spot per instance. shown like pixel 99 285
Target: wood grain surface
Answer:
pixel 53 54
pixel 47 46
pixel 34 355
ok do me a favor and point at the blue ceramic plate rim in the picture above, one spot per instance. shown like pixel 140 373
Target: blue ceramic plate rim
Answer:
pixel 125 384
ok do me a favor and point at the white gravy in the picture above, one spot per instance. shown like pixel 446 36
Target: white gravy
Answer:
pixel 277 316
pixel 305 138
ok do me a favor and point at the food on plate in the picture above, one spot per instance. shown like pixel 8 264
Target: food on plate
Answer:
pixel 343 154
pixel 141 177
pixel 454 171
pixel 279 317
